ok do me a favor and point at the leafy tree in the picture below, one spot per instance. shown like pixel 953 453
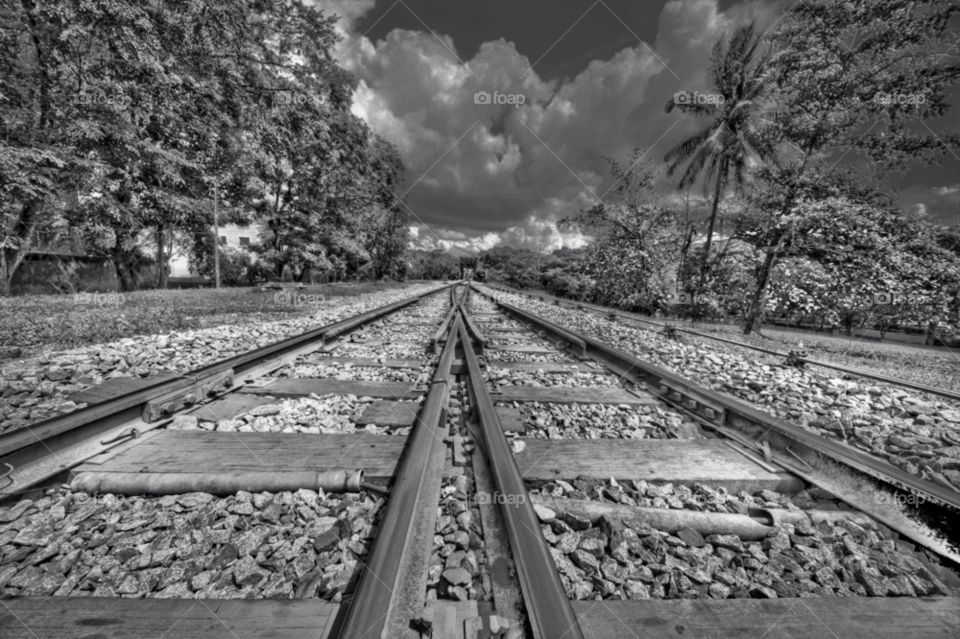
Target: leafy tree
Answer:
pixel 849 77
pixel 637 239
pixel 388 232
pixel 563 273
pixel 321 190
pixel 36 163
pixel 518 267
pixel 431 265
pixel 846 246
pixel 143 109
pixel 740 75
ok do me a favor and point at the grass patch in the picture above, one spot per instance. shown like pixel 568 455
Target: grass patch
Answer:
pixel 32 323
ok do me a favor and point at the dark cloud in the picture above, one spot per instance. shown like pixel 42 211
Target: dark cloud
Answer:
pixel 482 174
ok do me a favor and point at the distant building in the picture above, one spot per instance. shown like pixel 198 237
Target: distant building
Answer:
pixel 237 237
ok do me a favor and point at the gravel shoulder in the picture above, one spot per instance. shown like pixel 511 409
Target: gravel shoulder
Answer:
pixel 35 389
pixel 918 433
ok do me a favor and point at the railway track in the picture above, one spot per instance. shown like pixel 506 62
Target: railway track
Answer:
pixel 451 466
pixel 798 359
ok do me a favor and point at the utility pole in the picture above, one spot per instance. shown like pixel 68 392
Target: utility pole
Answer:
pixel 216 240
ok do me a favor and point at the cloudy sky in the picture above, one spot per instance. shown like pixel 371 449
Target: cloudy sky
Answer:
pixel 594 76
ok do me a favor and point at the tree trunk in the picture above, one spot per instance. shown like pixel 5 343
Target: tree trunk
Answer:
pixel 713 220
pixel 22 229
pixel 756 310
pixel 6 276
pixel 161 261
pixel 126 267
pixel 216 238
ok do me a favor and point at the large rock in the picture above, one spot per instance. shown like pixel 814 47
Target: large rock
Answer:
pixel 246 572
pixel 457 576
pixel 691 537
pixel 731 542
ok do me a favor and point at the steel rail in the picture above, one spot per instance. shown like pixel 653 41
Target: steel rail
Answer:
pixel 482 341
pixel 368 612
pixel 65 437
pixel 347 325
pixel 626 364
pixel 942 392
pixel 437 337
pixel 565 335
pixel 28 435
pixel 547 604
pixel 792 444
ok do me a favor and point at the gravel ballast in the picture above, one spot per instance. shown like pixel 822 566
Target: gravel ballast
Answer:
pixel 263 546
pixel 624 558
pixel 458 564
pixel 919 435
pixel 36 389
pixel 600 421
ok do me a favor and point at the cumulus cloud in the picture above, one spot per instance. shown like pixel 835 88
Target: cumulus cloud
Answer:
pixel 349 11
pixel 940 204
pixel 949 192
pixel 480 175
pixel 536 234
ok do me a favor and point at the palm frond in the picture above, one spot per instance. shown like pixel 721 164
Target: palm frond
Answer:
pixel 685 149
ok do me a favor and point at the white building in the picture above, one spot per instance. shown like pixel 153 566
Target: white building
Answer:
pixel 238 237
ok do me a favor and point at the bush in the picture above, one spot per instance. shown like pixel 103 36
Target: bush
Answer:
pixel 258 273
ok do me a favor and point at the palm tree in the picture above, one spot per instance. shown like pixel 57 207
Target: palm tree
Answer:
pixel 743 76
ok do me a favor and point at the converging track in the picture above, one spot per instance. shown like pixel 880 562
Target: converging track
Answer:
pixel 452 465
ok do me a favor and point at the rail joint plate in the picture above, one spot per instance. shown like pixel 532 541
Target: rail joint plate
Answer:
pixel 694 402
pixel 157 409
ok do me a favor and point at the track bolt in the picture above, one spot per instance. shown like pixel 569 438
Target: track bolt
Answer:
pixel 133 433
pixel 6 475
pixel 765 447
